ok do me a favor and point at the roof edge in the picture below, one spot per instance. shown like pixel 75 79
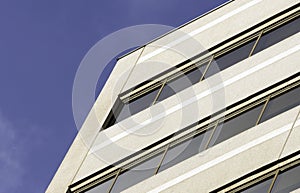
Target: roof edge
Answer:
pixel 175 29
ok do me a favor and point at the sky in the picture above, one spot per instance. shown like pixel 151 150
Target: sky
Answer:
pixel 42 43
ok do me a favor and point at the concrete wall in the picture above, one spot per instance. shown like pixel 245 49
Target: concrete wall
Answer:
pixel 79 149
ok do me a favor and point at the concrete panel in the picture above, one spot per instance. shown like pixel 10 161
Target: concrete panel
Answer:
pixel 69 166
pixel 293 143
pixel 81 145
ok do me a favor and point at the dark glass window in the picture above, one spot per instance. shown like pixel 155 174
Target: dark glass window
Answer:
pixel 278 35
pixel 236 125
pixel 185 150
pixel 137 105
pixel 287 181
pixel 282 103
pixel 183 81
pixel 261 187
pixel 232 57
pixel 137 174
pixel 103 187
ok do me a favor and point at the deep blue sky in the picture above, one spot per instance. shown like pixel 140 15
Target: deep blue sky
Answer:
pixel 42 43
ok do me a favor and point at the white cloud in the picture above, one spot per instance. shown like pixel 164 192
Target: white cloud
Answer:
pixel 11 155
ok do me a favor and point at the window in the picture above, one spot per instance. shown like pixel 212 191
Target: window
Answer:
pixel 230 58
pixel 282 103
pixel 236 125
pixel 185 80
pixel 274 36
pixel 137 105
pixel 136 174
pixel 185 149
pixel 287 181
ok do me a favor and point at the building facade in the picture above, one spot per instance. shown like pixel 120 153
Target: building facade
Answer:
pixel 210 107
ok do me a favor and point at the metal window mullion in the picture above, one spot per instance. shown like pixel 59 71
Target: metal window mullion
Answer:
pixel 256 42
pixel 253 182
pixel 113 183
pixel 273 181
pixel 187 138
pixel 243 109
pixel 159 92
pixel 263 110
pixel 206 69
pixel 162 159
pixel 211 135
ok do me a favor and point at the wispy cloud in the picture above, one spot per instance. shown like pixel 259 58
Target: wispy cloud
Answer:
pixel 20 148
pixel 11 156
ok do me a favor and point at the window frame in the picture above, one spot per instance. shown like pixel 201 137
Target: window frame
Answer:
pixel 254 178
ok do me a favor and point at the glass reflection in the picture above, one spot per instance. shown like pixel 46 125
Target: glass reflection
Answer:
pixel 137 174
pixel 232 57
pixel 278 34
pixel 185 150
pixel 287 181
pixel 183 81
pixel 236 125
pixel 282 103
pixel 137 105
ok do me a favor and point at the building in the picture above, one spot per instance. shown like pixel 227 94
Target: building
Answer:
pixel 218 113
